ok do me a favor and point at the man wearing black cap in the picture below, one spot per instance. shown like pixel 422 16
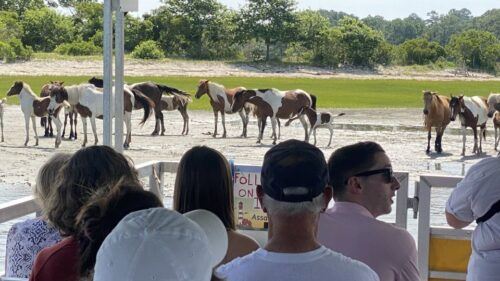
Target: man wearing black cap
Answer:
pixel 294 190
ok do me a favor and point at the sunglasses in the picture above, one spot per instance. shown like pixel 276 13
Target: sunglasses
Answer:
pixel 386 173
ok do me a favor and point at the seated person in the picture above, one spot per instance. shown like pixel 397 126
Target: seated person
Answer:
pixel 90 171
pixel 477 197
pixel 363 189
pixel 204 182
pixel 294 191
pixel 25 239
pixel 160 244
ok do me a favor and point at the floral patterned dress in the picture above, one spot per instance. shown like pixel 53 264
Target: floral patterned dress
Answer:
pixel 24 241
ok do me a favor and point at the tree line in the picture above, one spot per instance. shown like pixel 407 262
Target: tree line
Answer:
pixel 262 30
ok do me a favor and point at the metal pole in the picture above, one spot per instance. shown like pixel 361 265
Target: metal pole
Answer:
pixel 119 50
pixel 107 71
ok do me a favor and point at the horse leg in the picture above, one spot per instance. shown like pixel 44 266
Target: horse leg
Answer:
pixel 262 127
pixel 58 124
pixel 71 132
pixel 94 129
pixel 464 137
pixel 84 123
pixel 162 124
pixel 33 122
pixel 439 137
pixel 186 121
pixel 304 124
pixel 27 127
pixel 75 119
pixel 279 128
pixel 314 133
pixel 43 123
pixel 51 131
pixel 436 141
pixel 216 117
pixel 157 121
pixel 273 124
pixel 128 124
pixel 223 119
pixel 428 150
pixel 65 123
pixel 496 138
pixel 244 119
pixel 331 135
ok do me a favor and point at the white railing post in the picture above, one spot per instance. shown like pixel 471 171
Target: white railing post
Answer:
pixel 424 228
pixel 119 58
pixel 107 71
pixel 402 200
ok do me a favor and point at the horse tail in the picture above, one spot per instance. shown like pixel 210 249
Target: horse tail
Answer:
pixel 184 99
pixel 484 133
pixel 313 98
pixel 170 90
pixel 146 103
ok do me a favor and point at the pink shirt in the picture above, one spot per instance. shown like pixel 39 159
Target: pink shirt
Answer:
pixel 350 229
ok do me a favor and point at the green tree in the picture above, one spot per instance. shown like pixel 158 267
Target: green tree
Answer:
pixel 359 42
pixel 21 6
pixel 272 21
pixel 88 19
pixel 421 51
pixel 333 16
pixel 399 30
pixel 44 29
pixel 489 21
pixel 441 27
pixel 10 26
pixel 311 28
pixel 476 49
pixel 330 49
pixel 376 22
pixel 136 31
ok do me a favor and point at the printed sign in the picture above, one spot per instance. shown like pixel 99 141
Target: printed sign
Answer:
pixel 247 210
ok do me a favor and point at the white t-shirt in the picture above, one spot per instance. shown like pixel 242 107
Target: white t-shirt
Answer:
pixel 470 200
pixel 318 265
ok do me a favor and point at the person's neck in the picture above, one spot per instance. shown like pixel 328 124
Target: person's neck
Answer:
pixel 292 234
pixel 357 201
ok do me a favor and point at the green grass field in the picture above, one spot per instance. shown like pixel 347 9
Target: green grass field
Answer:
pixel 331 93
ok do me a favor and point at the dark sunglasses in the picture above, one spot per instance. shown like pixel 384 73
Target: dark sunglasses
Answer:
pixel 386 172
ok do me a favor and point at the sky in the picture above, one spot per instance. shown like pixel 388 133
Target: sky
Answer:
pixel 389 9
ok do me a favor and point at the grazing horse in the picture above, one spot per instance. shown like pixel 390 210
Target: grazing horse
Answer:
pixel 180 103
pixel 437 115
pixel 494 111
pixel 275 104
pixel 221 100
pixel 473 112
pixel 152 91
pixel 33 106
pixel 90 105
pixel 317 120
pixel 2 102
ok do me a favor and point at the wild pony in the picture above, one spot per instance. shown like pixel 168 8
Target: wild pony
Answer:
pixel 275 104
pixel 221 100
pixel 494 111
pixel 317 120
pixel 473 112
pixel 90 105
pixel 437 115
pixel 46 122
pixel 173 102
pixel 154 92
pixel 2 102
pixel 32 106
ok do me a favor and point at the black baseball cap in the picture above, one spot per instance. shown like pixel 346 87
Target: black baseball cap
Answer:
pixel 290 164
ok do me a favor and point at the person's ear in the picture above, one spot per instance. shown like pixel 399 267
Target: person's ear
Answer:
pixel 327 194
pixel 353 185
pixel 260 197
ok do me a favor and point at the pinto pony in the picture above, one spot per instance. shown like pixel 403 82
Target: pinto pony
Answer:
pixel 275 104
pixel 494 111
pixel 46 122
pixel 2 102
pixel 90 105
pixel 32 106
pixel 180 103
pixel 221 100
pixel 317 120
pixel 473 112
pixel 437 115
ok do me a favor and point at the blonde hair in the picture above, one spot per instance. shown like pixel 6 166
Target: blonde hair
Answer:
pixel 46 180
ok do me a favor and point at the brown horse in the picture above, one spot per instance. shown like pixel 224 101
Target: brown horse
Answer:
pixel 275 104
pixel 437 115
pixel 221 100
pixel 180 103
pixel 46 122
pixel 473 112
pixel 152 91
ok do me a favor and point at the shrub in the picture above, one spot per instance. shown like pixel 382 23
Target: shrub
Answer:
pixel 78 48
pixel 13 50
pixel 148 49
pixel 420 51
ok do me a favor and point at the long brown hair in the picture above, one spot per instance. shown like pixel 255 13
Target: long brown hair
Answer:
pixel 90 170
pixel 102 213
pixel 204 182
pixel 46 179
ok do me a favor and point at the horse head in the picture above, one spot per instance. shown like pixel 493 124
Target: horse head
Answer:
pixel 98 82
pixel 16 88
pixel 202 88
pixel 456 106
pixel 240 98
pixel 493 104
pixel 427 97
pixel 58 96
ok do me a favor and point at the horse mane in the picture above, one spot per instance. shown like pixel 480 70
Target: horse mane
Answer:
pixel 216 88
pixel 28 89
pixel 493 96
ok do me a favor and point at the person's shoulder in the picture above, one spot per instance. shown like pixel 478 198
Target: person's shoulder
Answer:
pixel 235 267
pixel 244 241
pixel 343 266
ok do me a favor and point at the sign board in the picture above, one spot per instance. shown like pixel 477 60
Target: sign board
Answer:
pixel 247 209
pixel 129 5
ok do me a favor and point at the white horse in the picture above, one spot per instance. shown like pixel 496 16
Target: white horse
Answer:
pixel 2 102
pixel 32 106
pixel 494 111
pixel 90 105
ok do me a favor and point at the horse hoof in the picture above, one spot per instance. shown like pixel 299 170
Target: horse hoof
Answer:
pixel 25 144
pixel 154 133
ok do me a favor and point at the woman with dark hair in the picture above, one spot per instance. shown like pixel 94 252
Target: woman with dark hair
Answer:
pixel 90 171
pixel 204 182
